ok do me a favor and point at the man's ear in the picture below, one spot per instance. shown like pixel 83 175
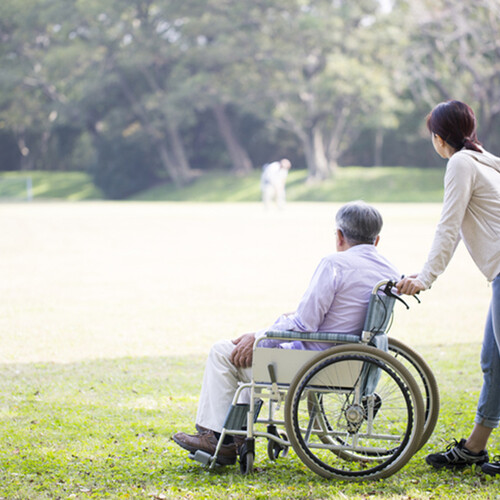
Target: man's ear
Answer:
pixel 377 239
pixel 340 237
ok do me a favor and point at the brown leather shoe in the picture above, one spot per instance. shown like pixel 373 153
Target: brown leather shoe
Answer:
pixel 206 442
pixel 238 440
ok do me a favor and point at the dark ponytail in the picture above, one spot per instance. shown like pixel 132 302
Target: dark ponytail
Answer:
pixel 455 123
pixel 468 143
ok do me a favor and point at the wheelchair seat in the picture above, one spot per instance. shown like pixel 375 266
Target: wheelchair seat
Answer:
pixel 284 362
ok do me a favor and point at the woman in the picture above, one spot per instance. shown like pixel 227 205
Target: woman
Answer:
pixel 471 211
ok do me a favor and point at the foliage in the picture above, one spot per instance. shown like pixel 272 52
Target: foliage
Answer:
pixel 464 40
pixel 123 167
pixel 102 429
pixel 327 82
pixel 215 84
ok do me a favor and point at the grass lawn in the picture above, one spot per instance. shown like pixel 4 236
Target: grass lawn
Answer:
pixel 71 186
pixel 108 310
pixel 396 184
pixel 378 184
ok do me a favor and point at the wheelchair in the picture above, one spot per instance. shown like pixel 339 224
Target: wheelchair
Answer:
pixel 356 411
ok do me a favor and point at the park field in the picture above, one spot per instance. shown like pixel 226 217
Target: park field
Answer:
pixel 107 280
pixel 108 310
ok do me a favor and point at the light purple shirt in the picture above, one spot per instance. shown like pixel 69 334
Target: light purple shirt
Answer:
pixel 337 297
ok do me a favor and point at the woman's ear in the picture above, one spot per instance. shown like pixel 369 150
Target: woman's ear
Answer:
pixel 439 140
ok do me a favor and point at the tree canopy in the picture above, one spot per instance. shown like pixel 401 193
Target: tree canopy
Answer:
pixel 138 92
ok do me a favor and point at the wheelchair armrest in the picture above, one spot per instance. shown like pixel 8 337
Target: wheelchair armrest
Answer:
pixel 313 336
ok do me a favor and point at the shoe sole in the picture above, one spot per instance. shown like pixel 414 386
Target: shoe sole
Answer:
pixel 490 472
pixel 192 449
pixel 452 465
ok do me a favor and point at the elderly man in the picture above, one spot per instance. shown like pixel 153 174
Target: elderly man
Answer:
pixel 335 301
pixel 273 182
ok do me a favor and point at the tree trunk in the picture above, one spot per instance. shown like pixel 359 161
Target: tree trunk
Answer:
pixel 379 143
pixel 239 157
pixel 335 139
pixel 177 176
pixel 175 162
pixel 317 162
pixel 179 153
pixel 45 162
pixel 27 158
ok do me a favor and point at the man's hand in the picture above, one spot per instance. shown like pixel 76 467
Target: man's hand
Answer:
pixel 241 357
pixel 410 285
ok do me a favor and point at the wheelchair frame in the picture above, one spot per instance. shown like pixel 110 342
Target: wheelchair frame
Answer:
pixel 349 435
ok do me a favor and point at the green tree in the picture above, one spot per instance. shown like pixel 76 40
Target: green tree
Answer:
pixel 219 67
pixel 94 84
pixel 323 75
pixel 136 55
pixel 28 98
pixel 454 55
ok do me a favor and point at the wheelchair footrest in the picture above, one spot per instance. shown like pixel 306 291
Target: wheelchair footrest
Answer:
pixel 201 456
pixel 236 418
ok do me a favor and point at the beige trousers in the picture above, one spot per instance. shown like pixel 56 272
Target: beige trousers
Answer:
pixel 220 383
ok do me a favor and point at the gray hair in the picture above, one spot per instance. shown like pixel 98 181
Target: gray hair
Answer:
pixel 359 222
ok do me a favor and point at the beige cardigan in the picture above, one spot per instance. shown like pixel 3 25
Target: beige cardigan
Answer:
pixel 471 211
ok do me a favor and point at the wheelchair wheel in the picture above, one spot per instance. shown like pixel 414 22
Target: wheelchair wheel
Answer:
pixel 354 412
pixel 424 377
pixel 426 381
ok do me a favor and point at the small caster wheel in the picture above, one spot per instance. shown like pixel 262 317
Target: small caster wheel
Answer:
pixel 274 449
pixel 247 455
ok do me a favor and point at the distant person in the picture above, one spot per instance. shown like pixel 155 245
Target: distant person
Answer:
pixel 273 182
pixel 471 211
pixel 335 301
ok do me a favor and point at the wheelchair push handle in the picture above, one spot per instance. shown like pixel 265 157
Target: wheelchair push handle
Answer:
pixel 387 287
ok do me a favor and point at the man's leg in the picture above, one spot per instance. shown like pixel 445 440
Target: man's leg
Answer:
pixel 220 382
pixel 267 194
pixel 280 195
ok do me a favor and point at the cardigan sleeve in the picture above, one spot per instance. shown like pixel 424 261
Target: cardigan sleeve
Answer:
pixel 458 188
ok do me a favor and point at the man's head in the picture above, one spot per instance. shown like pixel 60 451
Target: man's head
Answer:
pixel 357 223
pixel 285 163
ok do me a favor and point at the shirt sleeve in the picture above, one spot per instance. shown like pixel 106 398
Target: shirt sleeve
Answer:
pixel 458 185
pixel 315 303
